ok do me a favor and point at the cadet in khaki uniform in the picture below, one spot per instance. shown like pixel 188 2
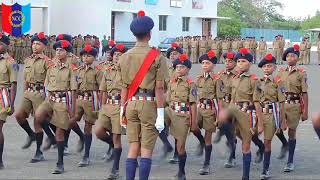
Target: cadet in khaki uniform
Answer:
pixel 208 93
pixel 216 47
pixel 318 50
pixel 308 50
pixel 145 107
pixel 72 58
pixel 296 92
pixel 88 103
pixel 276 49
pixel 18 55
pixel 8 86
pixel 29 46
pixel 194 50
pixel 182 111
pixel 245 106
pixel 262 48
pixel 108 120
pixel 202 46
pixel 272 102
pixel 225 48
pixel 24 47
pixel 303 52
pixel 235 45
pixel 60 105
pixel 209 43
pixel 282 44
pixel 35 70
pixel 185 44
pixel 80 44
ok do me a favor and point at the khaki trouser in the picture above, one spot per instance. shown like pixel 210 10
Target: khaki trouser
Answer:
pixel 302 57
pixel 194 55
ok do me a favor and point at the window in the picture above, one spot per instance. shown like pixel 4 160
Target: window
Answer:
pixel 162 23
pixel 185 23
pixel 176 3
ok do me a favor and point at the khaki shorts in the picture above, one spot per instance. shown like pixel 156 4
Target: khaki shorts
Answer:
pixel 60 115
pixel 206 119
pixel 85 107
pixel 242 123
pixel 141 117
pixel 178 124
pixel 109 118
pixel 30 102
pixel 269 128
pixel 3 115
pixel 293 115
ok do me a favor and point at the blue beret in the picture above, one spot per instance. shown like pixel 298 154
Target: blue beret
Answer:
pixel 268 59
pixel 174 47
pixel 294 50
pixel 64 44
pixel 210 56
pixel 40 37
pixel 5 39
pixel 244 54
pixel 141 24
pixel 66 37
pixel 118 48
pixel 183 59
pixel 88 49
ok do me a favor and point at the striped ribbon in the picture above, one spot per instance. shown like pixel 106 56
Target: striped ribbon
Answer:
pixel 96 103
pixel 5 99
pixel 216 106
pixel 69 101
pixel 252 119
pixel 276 114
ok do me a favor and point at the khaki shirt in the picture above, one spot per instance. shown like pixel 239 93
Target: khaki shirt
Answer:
pixel 210 42
pixel 35 68
pixel 246 88
pixel 194 44
pixel 8 70
pixel 203 44
pixel 111 81
pixel 235 45
pixel 276 44
pixel 262 45
pixel 182 90
pixel 226 78
pixel 246 44
pixel 208 87
pixel 226 45
pixel 272 89
pixel 80 43
pixel 131 61
pixel 303 46
pixel 89 77
pixel 294 81
pixel 60 77
pixel 215 45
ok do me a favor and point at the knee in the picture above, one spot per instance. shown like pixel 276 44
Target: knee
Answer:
pixel 117 140
pixel 245 148
pixel 267 145
pixel 100 132
pixel 316 120
pixel 19 115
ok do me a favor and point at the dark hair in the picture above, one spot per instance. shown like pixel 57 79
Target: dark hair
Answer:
pixel 141 36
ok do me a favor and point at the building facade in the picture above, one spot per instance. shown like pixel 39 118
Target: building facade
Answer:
pixel 172 18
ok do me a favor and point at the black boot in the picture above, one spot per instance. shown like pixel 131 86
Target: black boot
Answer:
pixel 31 135
pixel 59 167
pixel 38 156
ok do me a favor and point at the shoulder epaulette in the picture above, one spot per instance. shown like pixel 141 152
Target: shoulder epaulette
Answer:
pixel 73 67
pixel 277 79
pixel 50 65
pixel 253 76
pixel 189 80
pixel 98 67
pixel 301 70
pixel 216 76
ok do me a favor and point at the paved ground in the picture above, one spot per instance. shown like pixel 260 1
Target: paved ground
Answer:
pixel 307 162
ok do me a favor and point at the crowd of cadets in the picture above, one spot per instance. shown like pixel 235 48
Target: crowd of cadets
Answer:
pixel 20 47
pixel 135 92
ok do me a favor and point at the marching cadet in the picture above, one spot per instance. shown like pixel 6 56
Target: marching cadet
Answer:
pixel 276 49
pixel 60 105
pixel 35 70
pixel 143 71
pixel 225 47
pixel 308 50
pixel 202 46
pixel 296 94
pixel 8 86
pixel 303 51
pixel 194 49
pixel 108 120
pixel 262 48
pixel 208 93
pixel 72 58
pixel 182 110
pixel 216 48
pixel 318 50
pixel 88 81
pixel 244 106
pixel 272 102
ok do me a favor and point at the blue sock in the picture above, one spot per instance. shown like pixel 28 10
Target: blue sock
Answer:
pixel 266 161
pixel 208 150
pixel 87 144
pixel 145 168
pixel 164 138
pixel 182 163
pixel 131 166
pixel 246 165
pixel 292 147
pixel 116 158
pixel 317 131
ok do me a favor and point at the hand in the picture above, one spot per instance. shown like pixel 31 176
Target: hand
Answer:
pixel 123 123
pixel 260 129
pixel 304 116
pixel 160 120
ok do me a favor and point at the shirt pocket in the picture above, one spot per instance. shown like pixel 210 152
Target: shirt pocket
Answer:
pixel 4 73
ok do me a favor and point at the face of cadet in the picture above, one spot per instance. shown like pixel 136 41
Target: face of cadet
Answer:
pixel 61 53
pixel 292 59
pixel 116 56
pixel 243 65
pixel 88 59
pixel 174 55
pixel 207 66
pixel 268 69
pixel 230 64
pixel 37 47
pixel 181 70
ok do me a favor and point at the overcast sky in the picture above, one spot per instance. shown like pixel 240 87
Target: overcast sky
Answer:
pixel 300 8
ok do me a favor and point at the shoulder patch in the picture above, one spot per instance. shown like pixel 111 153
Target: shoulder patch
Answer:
pixel 50 65
pixel 73 67
pixel 253 76
pixel 216 76
pixel 98 67
pixel 301 70
pixel 189 80
pixel 277 79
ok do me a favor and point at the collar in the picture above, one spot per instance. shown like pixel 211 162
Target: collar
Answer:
pixel 266 77
pixel 61 65
pixel 141 44
pixel 233 71
pixel 182 78
pixel 244 74
pixel 88 66
pixel 207 75
pixel 291 68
